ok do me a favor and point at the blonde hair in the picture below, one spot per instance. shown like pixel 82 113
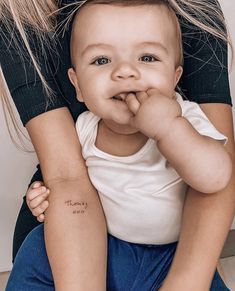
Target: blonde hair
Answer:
pixel 41 17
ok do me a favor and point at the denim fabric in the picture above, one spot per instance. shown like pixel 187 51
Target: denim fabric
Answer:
pixel 131 266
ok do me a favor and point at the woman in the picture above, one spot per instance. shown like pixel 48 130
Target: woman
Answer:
pixel 188 259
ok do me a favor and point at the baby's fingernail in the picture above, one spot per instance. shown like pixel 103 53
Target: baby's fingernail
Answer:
pixel 48 191
pixel 36 185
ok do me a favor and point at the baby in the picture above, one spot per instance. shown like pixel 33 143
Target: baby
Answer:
pixel 142 143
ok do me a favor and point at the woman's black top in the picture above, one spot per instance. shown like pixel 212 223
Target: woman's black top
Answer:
pixel 205 80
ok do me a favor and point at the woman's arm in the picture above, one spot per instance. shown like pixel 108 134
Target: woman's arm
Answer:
pixel 76 244
pixel 75 240
pixel 206 221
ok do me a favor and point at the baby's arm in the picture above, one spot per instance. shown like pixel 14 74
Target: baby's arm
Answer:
pixel 201 161
pixel 36 198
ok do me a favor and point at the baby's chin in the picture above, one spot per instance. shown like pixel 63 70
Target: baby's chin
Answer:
pixel 120 126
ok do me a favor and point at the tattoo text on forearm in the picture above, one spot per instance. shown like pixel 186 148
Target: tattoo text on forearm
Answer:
pixel 78 207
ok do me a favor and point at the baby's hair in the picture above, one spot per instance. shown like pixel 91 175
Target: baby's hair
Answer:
pixel 41 17
pixel 129 3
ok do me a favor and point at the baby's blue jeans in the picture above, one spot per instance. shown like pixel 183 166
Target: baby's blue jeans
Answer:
pixel 131 267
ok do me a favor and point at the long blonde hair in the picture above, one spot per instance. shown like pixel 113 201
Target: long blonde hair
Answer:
pixel 41 17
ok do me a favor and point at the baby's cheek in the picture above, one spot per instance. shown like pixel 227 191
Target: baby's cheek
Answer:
pixel 163 81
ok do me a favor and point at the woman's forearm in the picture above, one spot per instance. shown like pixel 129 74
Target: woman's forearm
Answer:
pixel 205 224
pixel 75 235
pixel 75 229
pixel 206 221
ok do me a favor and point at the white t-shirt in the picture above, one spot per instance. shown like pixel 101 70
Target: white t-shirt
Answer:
pixel 142 195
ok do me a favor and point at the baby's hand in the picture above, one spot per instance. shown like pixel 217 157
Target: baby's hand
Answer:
pixel 153 112
pixel 36 200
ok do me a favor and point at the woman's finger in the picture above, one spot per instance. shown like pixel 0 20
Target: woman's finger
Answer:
pixel 38 200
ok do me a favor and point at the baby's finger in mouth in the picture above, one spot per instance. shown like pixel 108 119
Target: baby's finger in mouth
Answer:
pixel 132 103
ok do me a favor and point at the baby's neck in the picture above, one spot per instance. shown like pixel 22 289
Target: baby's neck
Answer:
pixel 118 144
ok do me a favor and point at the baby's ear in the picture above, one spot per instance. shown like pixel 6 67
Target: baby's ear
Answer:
pixel 74 80
pixel 178 74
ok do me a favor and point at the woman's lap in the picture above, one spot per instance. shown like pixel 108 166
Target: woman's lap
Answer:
pixel 31 270
pixel 137 267
pixel 130 266
pixel 25 223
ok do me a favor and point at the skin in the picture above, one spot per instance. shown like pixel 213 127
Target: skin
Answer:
pixel 128 80
pixel 180 277
pixel 206 221
pixel 124 53
pixel 55 140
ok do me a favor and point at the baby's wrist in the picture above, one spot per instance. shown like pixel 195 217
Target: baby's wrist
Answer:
pixel 167 129
pixel 166 126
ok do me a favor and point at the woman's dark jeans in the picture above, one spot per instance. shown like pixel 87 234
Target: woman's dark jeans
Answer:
pixel 131 266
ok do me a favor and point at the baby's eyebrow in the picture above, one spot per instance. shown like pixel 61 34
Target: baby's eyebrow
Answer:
pixel 96 45
pixel 155 44
pixel 158 45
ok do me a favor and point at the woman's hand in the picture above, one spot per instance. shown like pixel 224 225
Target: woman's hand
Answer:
pixel 36 198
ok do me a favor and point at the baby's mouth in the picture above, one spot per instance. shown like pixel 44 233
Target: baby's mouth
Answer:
pixel 122 96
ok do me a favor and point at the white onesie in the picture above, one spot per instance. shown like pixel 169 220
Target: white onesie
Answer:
pixel 142 195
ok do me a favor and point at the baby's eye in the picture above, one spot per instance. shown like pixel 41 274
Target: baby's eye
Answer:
pixel 148 58
pixel 101 61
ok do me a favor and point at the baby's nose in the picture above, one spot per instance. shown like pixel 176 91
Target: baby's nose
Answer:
pixel 125 71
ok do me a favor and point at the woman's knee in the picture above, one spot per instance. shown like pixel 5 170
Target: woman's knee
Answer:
pixel 218 283
pixel 25 223
pixel 33 246
pixel 32 256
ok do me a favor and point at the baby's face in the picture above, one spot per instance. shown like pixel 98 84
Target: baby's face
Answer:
pixel 116 50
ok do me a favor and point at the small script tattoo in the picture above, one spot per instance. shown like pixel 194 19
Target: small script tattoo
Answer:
pixel 81 206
